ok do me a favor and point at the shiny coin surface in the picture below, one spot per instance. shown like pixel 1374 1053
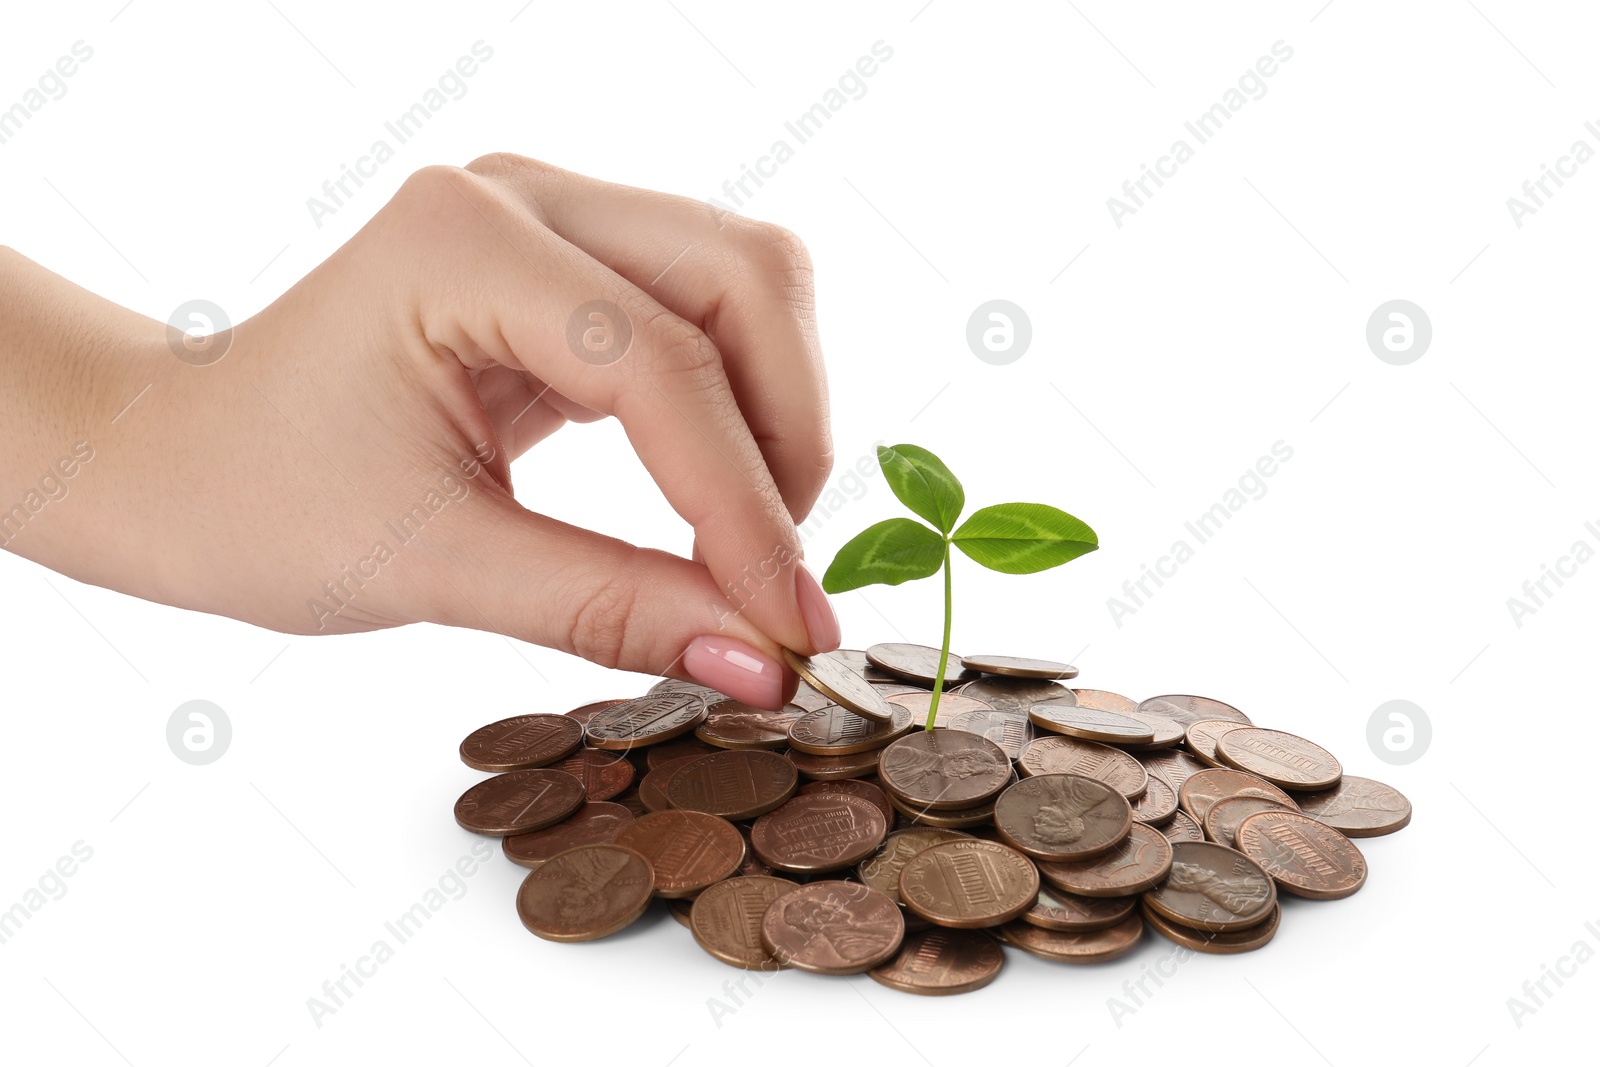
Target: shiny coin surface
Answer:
pixel 1140 862
pixel 1305 857
pixel 1069 755
pixel 808 699
pixel 667 751
pixel 969 883
pixel 1172 765
pixel 1166 732
pixel 1020 667
pixel 1204 789
pixel 585 893
pixel 838 731
pixel 1062 817
pixel 1057 910
pixel 1358 807
pixel 1062 946
pixel 1187 708
pixel 1105 700
pixel 915 663
pixel 882 870
pixel 1158 804
pixel 951 706
pixel 943 769
pixel 832 927
pixel 1201 738
pixel 819 832
pixel 673 685
pixel 653 786
pixel 646 720
pixel 1090 724
pixel 1011 733
pixel 1223 820
pixel 688 850
pixel 726 920
pixel 735 724
pixel 1214 889
pixel 1015 695
pixel 833 768
pixel 1282 758
pixel 1182 828
pixel 739 784
pixel 938 962
pixel 854 787
pixel 521 742
pixel 831 674
pixel 592 824
pixel 519 802
pixel 604 774
pixel 1246 940
pixel 589 711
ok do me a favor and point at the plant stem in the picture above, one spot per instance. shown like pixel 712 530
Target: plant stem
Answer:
pixel 944 649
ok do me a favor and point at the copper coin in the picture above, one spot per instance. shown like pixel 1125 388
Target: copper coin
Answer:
pixel 521 742
pixel 1016 695
pixel 1223 820
pixel 939 962
pixel 1159 804
pixel 943 769
pixel 592 824
pixel 1068 755
pixel 832 927
pixel 752 864
pixel 1061 946
pixel 589 711
pixel 735 724
pixel 646 720
pixel 1138 863
pixel 854 787
pixel 1214 889
pixel 1183 828
pixel 856 660
pixel 819 832
pixel 604 774
pixel 948 819
pixel 882 870
pixel 1090 724
pixel 1187 708
pixel 585 893
pixel 631 801
pixel 969 883
pixel 653 786
pixel 916 663
pixel 688 850
pixel 1010 732
pixel 1057 910
pixel 740 784
pixel 1358 807
pixel 1105 700
pixel 951 706
pixel 726 920
pixel 808 699
pixel 829 673
pixel 1167 732
pixel 1305 857
pixel 673 685
pixel 833 768
pixel 1062 817
pixel 1020 667
pixel 666 752
pixel 681 910
pixel 1283 759
pixel 1202 790
pixel 519 802
pixel 838 731
pixel 1251 937
pixel 1201 738
pixel 1173 766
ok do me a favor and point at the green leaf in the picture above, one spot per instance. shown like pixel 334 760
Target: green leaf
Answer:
pixel 924 484
pixel 1024 538
pixel 887 553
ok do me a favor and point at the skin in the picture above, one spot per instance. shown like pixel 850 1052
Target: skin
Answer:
pixel 434 346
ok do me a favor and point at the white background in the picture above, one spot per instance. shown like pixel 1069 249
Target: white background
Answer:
pixel 1227 314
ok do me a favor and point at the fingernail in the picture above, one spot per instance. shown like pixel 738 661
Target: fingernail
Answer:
pixel 734 668
pixel 821 623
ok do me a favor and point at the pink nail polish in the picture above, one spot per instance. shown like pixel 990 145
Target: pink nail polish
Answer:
pixel 821 623
pixel 734 668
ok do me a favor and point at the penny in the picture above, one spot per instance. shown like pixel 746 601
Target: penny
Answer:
pixel 592 824
pixel 726 920
pixel 1016 695
pixel 688 850
pixel 1212 888
pixel 1104 700
pixel 519 802
pixel 681 910
pixel 1141 861
pixel 969 883
pixel 837 731
pixel 735 724
pixel 1158 805
pixel 585 893
pixel 949 819
pixel 656 755
pixel 943 769
pixel 1223 820
pixel 1062 817
pixel 1183 828
pixel 882 869
pixel 631 801
pixel 951 706
pixel 819 832
pixel 1173 766
pixel 752 863
pixel 854 787
pixel 521 742
pixel 832 927
pixel 646 720
pixel 1011 733
pixel 1167 732
pixel 673 685
pixel 832 768
pixel 589 711
pixel 857 661
pixel 1058 910
pixel 1187 708
pixel 809 699
pixel 1090 724
pixel 915 663
pixel 1305 857
pixel 938 962
pixel 830 674
pixel 1061 946
pixel 1251 937
pixel 653 786
pixel 1201 738
pixel 1020 667
pixel 739 784
pixel 1068 755
pixel 604 774
pixel 1358 807
pixel 1283 759
pixel 1204 789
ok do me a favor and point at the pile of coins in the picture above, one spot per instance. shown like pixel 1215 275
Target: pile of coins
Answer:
pixel 839 837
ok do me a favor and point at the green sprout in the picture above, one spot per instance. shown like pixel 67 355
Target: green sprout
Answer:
pixel 1010 538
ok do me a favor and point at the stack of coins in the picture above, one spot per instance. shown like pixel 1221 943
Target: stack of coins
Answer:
pixel 839 836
